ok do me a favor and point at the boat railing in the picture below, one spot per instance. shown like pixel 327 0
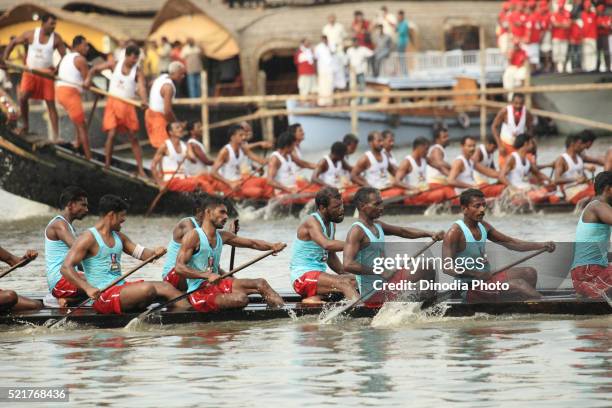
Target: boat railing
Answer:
pixel 441 64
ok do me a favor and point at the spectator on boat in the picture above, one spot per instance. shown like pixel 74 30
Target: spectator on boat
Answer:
pixel 163 53
pixel 382 49
pixel 151 60
pixel 560 22
pixel 325 72
pixel 502 29
pixel 518 21
pixel 403 39
pixel 604 26
pixel 534 36
pixel 191 53
pixel 361 30
pixel 574 53
pixel 335 34
pixel 589 37
pixel 160 111
pixel 546 38
pixel 387 21
pixel 306 71
pixel 71 73
pixel 358 56
pixel 516 71
pixel 17 56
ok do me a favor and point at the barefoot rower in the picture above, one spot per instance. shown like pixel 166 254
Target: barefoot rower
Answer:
pixel 485 156
pixel 198 262
pixel 99 249
pixel 388 145
pixel 462 171
pixel 160 111
pixel 72 71
pixel 231 168
pixel 59 238
pixel 510 122
pixel 366 241
pixel 465 241
pixel 591 270
pixel 569 172
pixel 315 248
pixel 127 80
pixel 9 299
pixel 517 169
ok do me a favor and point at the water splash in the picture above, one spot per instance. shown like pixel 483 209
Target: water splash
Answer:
pixel 332 312
pixel 395 314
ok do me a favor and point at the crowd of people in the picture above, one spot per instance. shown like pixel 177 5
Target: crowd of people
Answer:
pixel 557 36
pixel 365 47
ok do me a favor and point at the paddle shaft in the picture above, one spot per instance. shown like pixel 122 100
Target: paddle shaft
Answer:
pixel 17 265
pixel 93 89
pixel 110 285
pixel 93 111
pixel 233 252
pixel 164 189
pixel 187 294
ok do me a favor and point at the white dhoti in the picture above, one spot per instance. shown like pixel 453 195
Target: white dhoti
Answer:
pixel 325 87
pixel 546 44
pixel 307 84
pixel 514 77
pixel 503 42
pixel 589 54
pixel 559 52
pixel 533 52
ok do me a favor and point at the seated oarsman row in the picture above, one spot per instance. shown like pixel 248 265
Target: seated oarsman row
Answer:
pixel 569 171
pixel 9 299
pixel 465 242
pixel 591 269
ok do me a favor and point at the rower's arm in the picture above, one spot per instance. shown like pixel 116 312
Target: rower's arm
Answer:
pixel 167 93
pixel 351 248
pixel 222 158
pixel 60 46
pixel 96 69
pixel 316 174
pixel 495 129
pixel 156 169
pixel 402 171
pixel 63 234
pixel 503 174
pixel 24 39
pixel 78 252
pixel 316 234
pixel 253 156
pixel 302 163
pixel 190 243
pixel 360 167
pixel 514 244
pixel 346 166
pixel 603 213
pixel 456 169
pixel 450 247
pixel 232 239
pixel 334 263
pixel 410 233
pixel 138 251
pixel 141 87
pixel 543 178
pixel 273 166
pixel 436 160
pixel 198 153
pixel 81 65
pixel 529 124
pixel 264 144
pixel 592 159
pixel 11 260
pixel 482 169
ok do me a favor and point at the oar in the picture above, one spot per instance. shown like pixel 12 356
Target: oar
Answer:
pixel 356 302
pixel 442 297
pixel 149 312
pixel 93 111
pixel 164 189
pixel 93 89
pixel 393 200
pixel 19 264
pixel 110 285
pixel 233 252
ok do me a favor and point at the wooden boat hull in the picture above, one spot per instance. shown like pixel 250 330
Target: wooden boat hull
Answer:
pixel 554 303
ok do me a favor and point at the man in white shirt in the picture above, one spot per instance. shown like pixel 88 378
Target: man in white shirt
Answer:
pixel 335 34
pixel 192 54
pixel 325 71
pixel 358 56
pixel 388 21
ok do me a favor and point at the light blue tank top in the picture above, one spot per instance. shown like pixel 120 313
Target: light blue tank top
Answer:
pixel 173 250
pixel 366 256
pixel 55 254
pixel 592 242
pixel 205 258
pixel 105 266
pixel 308 255
pixel 473 248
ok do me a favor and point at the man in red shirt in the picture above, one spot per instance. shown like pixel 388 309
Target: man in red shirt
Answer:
pixel 361 30
pixel 518 21
pixel 575 45
pixel 516 71
pixel 503 27
pixel 534 35
pixel 546 41
pixel 560 22
pixel 589 37
pixel 307 73
pixel 604 24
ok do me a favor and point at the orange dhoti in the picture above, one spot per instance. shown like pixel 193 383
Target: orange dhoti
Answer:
pixel 155 123
pixel 250 188
pixel 492 190
pixel 70 99
pixel 576 193
pixel 121 116
pixel 38 87
pixel 185 185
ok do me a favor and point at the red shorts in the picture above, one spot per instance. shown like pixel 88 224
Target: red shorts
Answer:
pixel 109 301
pixel 476 296
pixel 38 87
pixel 306 285
pixel 204 299
pixel 592 280
pixel 65 289
pixel 174 278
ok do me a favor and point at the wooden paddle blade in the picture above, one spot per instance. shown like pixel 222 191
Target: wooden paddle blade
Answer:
pixel 19 264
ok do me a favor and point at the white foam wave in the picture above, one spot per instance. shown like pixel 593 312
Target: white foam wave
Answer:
pixel 15 208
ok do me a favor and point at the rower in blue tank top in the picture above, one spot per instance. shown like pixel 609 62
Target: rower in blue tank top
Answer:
pixel 198 262
pixel 365 243
pixel 99 250
pixel 314 248
pixel 180 230
pixel 464 244
pixel 59 237
pixel 591 270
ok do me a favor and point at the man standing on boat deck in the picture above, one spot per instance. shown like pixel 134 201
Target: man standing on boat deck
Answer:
pixel 462 171
pixel 72 71
pixel 126 80
pixel 59 238
pixel 437 166
pixel 591 270
pixel 325 72
pixel 41 43
pixel 331 171
pixel 365 241
pixel 560 21
pixel 510 122
pixel 465 242
pixel 160 111
pixel 99 250
pixel 569 172
pixel 231 168
pixel 315 248
pixel 484 155
pixel 198 262
pixel 9 299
